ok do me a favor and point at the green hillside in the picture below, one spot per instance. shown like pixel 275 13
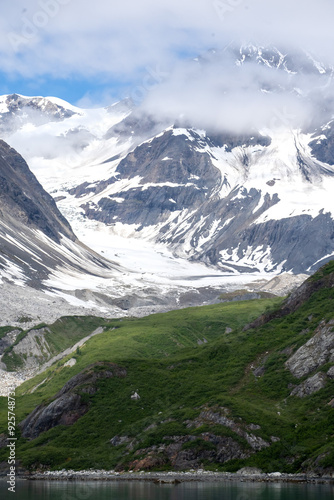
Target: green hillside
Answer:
pixel 191 388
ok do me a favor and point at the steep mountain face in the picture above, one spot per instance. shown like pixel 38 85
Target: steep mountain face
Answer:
pixel 35 239
pixel 45 271
pixel 253 202
pixel 24 199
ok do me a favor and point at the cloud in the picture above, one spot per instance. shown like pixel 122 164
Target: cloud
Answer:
pixel 139 42
pixel 121 38
pixel 219 92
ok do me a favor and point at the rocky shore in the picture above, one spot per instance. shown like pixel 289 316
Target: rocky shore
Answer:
pixel 173 477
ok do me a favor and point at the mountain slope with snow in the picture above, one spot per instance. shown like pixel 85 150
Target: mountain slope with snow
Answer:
pixel 35 239
pixel 238 202
pixel 265 205
pixel 46 272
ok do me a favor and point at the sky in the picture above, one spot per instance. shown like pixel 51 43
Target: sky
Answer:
pixel 93 53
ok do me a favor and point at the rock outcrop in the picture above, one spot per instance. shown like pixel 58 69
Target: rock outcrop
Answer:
pixel 8 340
pixel 68 405
pixel 24 199
pixel 33 348
pixel 315 353
pixel 219 417
pixel 184 452
pixel 310 386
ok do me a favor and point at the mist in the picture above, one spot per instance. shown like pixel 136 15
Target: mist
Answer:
pixel 148 50
pixel 217 92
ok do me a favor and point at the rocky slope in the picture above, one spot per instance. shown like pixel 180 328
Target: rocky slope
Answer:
pixel 24 199
pixel 322 279
pixel 35 239
pixel 68 406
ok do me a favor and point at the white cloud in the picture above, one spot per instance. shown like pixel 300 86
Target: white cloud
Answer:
pixel 85 37
pixel 129 40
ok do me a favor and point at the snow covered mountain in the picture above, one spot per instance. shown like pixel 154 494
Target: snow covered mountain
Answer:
pixel 46 272
pixel 239 202
pixel 263 204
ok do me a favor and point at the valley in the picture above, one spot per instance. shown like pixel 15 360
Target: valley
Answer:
pixel 167 282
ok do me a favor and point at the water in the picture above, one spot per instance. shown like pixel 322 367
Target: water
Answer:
pixel 140 490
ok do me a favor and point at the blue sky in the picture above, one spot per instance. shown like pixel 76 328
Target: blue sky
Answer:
pixel 95 53
pixel 75 90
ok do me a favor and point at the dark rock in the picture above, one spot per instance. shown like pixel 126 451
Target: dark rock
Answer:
pixel 24 199
pixel 150 461
pixel 258 372
pixel 64 410
pixel 3 441
pixel 68 405
pixel 8 340
pixel 206 447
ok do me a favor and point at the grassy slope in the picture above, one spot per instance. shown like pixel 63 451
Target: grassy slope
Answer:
pixel 175 377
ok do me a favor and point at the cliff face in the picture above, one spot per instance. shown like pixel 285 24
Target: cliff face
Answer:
pixel 24 199
pixel 35 238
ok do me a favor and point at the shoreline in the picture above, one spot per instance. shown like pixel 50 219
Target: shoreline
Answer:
pixel 173 477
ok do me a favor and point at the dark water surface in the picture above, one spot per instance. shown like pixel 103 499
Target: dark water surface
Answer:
pixel 140 490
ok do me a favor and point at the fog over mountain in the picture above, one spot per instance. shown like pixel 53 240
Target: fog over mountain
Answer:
pixel 121 45
pixel 240 89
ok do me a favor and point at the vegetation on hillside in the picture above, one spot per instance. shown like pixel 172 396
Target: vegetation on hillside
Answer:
pixel 202 379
